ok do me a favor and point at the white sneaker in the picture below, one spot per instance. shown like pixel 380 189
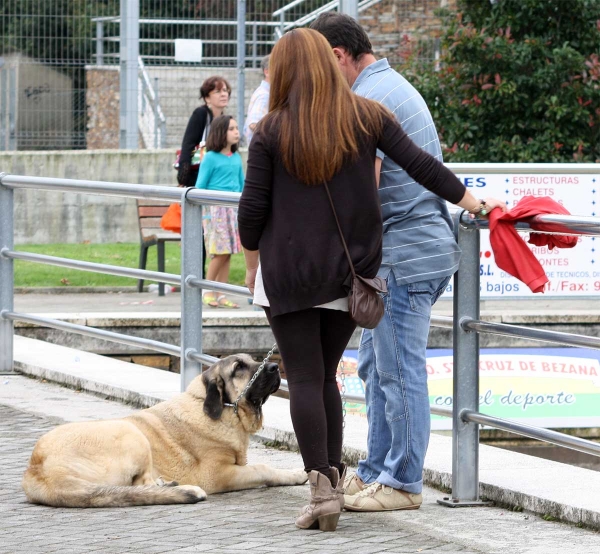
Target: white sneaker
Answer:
pixel 381 498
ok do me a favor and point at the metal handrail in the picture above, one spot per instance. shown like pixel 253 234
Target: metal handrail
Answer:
pixel 148 192
pixel 230 22
pixel 151 91
pixel 330 6
pixel 539 433
pixel 554 224
pixel 542 335
pixel 93 332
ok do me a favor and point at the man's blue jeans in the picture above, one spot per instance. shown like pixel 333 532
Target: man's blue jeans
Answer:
pixel 392 363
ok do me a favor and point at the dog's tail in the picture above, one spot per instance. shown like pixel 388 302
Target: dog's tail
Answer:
pixel 73 492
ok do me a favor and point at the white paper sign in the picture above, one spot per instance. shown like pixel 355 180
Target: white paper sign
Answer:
pixel 188 50
pixel 571 271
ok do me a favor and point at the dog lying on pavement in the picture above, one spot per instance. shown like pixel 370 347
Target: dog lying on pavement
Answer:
pixel 176 452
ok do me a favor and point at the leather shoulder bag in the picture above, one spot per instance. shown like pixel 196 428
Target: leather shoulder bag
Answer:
pixel 365 303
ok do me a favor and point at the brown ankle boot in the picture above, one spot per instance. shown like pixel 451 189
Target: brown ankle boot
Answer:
pixel 337 482
pixel 324 510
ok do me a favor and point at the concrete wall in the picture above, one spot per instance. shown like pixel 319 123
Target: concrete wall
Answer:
pixel 42 99
pixel 45 217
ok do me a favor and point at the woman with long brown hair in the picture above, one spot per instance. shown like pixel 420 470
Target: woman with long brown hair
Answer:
pixel 317 131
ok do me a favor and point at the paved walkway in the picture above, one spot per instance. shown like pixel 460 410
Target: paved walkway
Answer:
pixel 259 521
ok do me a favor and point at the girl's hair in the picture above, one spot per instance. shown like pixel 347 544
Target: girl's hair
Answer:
pixel 217 137
pixel 317 116
pixel 213 83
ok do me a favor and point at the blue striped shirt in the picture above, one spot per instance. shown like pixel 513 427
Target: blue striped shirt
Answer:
pixel 418 242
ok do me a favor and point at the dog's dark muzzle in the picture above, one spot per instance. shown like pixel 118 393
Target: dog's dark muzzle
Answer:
pixel 266 384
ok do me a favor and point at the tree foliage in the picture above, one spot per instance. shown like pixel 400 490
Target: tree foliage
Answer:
pixel 518 81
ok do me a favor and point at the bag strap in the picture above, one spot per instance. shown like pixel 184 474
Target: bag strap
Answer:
pixel 207 123
pixel 340 230
pixel 206 130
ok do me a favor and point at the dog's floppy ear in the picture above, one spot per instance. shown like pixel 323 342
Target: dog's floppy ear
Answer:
pixel 213 403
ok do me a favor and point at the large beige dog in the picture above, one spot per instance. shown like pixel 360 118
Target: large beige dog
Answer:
pixel 175 452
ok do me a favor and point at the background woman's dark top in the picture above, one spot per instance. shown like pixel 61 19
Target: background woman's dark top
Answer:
pixel 302 259
pixel 186 175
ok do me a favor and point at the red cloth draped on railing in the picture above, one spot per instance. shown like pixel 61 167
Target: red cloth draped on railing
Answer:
pixel 510 251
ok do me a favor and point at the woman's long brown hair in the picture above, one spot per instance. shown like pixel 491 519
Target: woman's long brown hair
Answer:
pixel 318 116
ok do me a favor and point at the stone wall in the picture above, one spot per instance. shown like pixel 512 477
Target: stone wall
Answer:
pixel 102 101
pixel 387 22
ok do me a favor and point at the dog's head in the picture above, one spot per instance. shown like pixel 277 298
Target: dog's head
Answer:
pixel 225 381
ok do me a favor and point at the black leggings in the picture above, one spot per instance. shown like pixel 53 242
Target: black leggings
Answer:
pixel 311 343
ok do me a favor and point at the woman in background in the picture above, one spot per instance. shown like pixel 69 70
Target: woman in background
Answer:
pixel 215 93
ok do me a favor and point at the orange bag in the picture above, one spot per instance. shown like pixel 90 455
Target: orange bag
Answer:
pixel 171 220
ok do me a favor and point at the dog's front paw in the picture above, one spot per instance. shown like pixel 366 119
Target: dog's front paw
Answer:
pixel 197 493
pixel 298 477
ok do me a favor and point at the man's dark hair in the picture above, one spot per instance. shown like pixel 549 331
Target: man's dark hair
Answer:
pixel 342 31
pixel 217 137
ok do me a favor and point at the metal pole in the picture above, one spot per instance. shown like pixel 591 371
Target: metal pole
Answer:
pixel 6 278
pixel 99 42
pixel 241 60
pixel 156 120
pixel 465 436
pixel 3 106
pixel 13 116
pixel 254 39
pixel 130 34
pixel 191 297
pixel 349 7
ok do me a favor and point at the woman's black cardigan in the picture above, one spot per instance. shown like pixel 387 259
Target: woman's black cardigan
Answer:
pixel 302 258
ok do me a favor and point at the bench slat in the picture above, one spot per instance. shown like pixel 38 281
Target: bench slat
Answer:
pixel 152 211
pixel 150 223
pixel 160 234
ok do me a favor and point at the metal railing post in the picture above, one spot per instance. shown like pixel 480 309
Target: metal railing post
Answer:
pixel 100 42
pixel 465 436
pixel 349 7
pixel 254 39
pixel 128 76
pixel 241 61
pixel 6 278
pixel 191 297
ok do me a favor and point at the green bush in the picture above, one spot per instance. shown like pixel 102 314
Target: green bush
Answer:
pixel 518 81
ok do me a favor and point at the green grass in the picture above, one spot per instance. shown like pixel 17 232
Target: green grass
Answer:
pixel 28 274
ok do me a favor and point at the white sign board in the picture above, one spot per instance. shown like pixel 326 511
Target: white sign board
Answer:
pixel 571 271
pixel 188 50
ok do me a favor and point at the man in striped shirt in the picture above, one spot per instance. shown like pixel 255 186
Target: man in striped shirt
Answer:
pixel 420 255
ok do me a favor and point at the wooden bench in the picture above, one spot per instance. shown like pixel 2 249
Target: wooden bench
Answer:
pixel 151 234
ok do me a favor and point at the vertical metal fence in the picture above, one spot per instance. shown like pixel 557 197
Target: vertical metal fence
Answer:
pixel 59 61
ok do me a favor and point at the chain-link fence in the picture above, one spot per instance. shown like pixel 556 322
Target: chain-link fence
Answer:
pixel 59 64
